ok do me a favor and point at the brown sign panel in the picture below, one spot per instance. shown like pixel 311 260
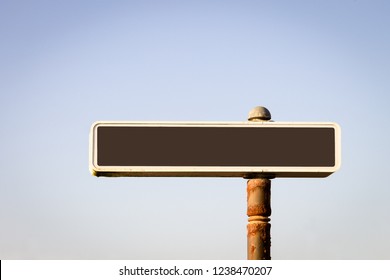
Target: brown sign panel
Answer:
pixel 215 149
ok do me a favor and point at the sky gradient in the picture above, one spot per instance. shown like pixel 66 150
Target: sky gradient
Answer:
pixel 67 64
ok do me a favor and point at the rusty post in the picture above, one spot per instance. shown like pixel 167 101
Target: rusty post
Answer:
pixel 259 205
pixel 258 211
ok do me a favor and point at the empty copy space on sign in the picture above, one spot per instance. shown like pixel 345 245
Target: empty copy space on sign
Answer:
pixel 215 146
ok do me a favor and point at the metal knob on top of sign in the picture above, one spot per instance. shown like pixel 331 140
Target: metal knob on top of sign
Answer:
pixel 259 113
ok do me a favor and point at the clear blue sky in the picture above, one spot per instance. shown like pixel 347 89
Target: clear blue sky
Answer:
pixel 66 64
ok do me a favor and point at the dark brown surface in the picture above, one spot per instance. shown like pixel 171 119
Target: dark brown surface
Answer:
pixel 215 146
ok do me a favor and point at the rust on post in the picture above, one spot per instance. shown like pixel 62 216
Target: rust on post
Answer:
pixel 259 241
pixel 259 204
pixel 259 197
pixel 258 211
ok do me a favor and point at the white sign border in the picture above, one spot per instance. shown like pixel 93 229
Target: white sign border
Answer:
pixel 212 171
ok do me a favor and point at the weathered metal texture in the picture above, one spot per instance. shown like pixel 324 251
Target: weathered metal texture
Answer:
pixel 259 205
pixel 258 211
pixel 259 197
pixel 259 241
pixel 259 113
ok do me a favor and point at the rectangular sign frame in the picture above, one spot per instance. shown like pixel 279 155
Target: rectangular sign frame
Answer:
pixel 213 171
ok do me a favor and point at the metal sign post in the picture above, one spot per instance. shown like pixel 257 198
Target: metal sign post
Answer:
pixel 258 150
pixel 259 205
pixel 258 211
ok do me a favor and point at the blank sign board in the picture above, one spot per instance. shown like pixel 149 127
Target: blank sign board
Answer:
pixel 234 149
